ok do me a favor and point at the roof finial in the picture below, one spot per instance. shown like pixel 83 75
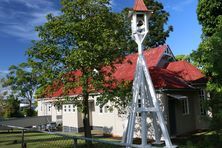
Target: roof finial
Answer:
pixel 139 6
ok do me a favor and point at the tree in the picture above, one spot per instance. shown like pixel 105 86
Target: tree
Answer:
pixel 158 29
pixel 22 81
pixel 208 12
pixel 157 24
pixel 78 50
pixel 75 47
pixel 208 58
pixel 11 107
pixel 183 57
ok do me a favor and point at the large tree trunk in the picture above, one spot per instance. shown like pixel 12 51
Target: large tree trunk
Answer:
pixel 86 121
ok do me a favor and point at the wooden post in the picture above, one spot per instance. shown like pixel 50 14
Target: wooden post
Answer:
pixel 75 143
pixel 23 144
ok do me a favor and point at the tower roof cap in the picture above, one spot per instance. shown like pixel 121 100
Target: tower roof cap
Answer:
pixel 139 5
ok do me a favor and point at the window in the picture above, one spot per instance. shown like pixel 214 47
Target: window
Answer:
pixel 69 108
pixel 49 107
pixel 185 103
pixel 202 95
pixel 101 109
pixel 106 109
pixel 92 106
pixel 64 108
pixel 73 108
pixel 59 108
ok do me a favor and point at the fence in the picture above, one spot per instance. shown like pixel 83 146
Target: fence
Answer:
pixel 29 137
pixel 33 138
pixel 20 136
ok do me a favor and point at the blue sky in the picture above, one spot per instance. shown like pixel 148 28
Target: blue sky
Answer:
pixel 18 19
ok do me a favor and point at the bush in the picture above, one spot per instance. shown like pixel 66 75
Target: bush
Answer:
pixel 29 112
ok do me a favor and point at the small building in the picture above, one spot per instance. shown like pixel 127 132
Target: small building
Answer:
pixel 180 88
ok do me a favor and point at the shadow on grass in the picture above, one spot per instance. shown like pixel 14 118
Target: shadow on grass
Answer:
pixel 199 139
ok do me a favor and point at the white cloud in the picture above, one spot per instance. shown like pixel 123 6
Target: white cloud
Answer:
pixel 21 22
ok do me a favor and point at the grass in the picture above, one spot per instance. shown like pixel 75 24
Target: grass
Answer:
pixel 33 139
pixel 199 139
pixel 43 140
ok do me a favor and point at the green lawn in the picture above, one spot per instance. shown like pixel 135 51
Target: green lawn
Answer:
pixel 34 140
pixel 44 140
pixel 199 139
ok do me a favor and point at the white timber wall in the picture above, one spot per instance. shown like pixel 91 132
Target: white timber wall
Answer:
pixel 70 115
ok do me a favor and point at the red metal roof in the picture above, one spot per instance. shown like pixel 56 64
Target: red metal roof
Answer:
pixel 185 70
pixel 153 55
pixel 162 78
pixel 167 78
pixel 139 6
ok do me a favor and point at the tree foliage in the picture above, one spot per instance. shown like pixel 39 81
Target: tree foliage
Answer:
pixel 183 57
pixel 22 81
pixel 208 58
pixel 158 28
pixel 157 24
pixel 208 13
pixel 78 49
pixel 11 107
pixel 75 47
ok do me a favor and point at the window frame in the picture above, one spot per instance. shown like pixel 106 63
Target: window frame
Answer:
pixel 49 107
pixel 203 98
pixel 73 108
pixel 101 111
pixel 185 106
pixel 65 108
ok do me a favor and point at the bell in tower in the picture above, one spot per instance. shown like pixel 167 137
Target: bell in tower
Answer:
pixel 139 20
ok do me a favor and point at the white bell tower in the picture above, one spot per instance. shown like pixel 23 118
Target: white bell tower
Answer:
pixel 143 89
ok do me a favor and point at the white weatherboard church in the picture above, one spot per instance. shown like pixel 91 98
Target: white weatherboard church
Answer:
pixel 179 87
